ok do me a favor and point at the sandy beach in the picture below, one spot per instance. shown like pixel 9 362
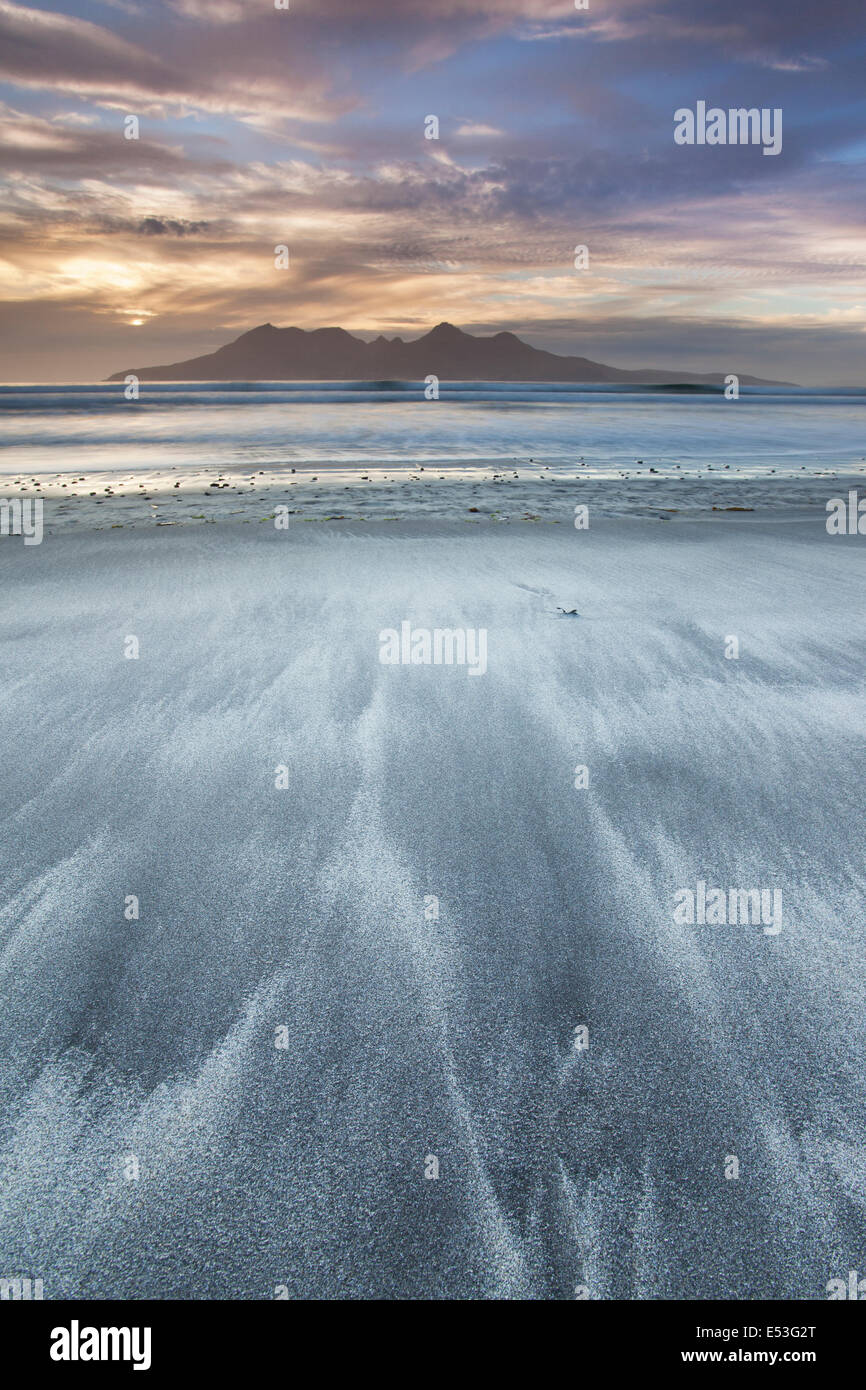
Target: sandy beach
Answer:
pixel 291 1029
pixel 432 673
pixel 445 492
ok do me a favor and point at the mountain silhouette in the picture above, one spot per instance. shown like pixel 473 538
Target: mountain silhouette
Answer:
pixel 331 354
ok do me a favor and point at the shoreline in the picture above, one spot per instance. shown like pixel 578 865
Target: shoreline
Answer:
pixel 183 497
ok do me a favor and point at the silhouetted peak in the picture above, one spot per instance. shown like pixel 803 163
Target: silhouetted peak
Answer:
pixel 337 334
pixel 263 328
pixel 446 332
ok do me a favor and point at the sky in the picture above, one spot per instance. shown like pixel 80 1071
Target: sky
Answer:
pixel 305 127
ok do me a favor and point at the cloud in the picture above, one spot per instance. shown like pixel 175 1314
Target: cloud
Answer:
pixel 76 118
pixel 67 149
pixel 159 226
pixel 40 49
pixel 212 11
pixel 799 64
pixel 306 128
pixel 476 129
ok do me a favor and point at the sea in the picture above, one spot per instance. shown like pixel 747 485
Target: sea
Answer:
pixel 49 429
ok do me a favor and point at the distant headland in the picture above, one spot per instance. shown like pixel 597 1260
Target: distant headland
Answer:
pixel 331 354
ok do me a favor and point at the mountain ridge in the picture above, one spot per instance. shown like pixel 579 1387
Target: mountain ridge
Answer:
pixel 266 353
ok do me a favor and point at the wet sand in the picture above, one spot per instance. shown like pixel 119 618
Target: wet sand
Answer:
pixel 307 909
